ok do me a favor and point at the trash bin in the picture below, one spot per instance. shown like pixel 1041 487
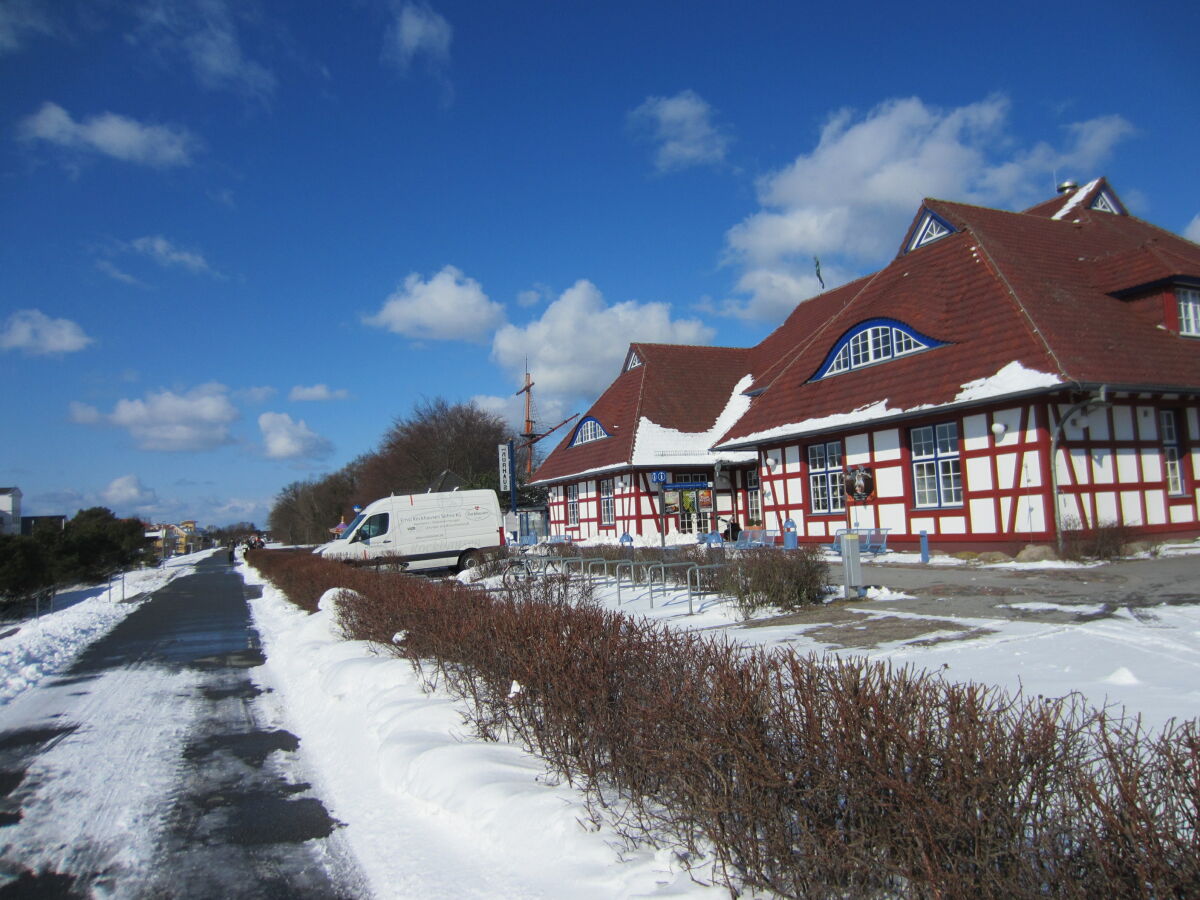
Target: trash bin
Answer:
pixel 789 535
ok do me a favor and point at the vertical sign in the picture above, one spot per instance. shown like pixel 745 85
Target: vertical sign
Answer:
pixel 505 481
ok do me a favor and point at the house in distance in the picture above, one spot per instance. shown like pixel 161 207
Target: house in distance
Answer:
pixel 1007 376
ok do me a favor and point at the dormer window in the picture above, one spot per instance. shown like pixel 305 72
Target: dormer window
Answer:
pixel 589 430
pixel 1106 202
pixel 871 342
pixel 930 229
pixel 1189 310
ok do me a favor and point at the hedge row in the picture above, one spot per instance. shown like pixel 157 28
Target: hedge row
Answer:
pixel 802 776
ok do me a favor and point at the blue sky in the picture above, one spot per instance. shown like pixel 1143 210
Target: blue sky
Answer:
pixel 241 238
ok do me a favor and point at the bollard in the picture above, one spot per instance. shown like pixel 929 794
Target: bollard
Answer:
pixel 924 546
pixel 851 565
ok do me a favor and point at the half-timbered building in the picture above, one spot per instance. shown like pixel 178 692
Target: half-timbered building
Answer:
pixel 1008 376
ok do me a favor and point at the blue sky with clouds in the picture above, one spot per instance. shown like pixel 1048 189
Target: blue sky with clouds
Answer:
pixel 241 238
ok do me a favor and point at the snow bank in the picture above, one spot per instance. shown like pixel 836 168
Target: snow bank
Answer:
pixel 427 808
pixel 44 646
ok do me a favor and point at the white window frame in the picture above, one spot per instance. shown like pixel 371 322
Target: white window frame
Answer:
pixel 572 504
pixel 826 479
pixel 1188 301
pixel 608 507
pixel 872 345
pixel 589 430
pixel 753 497
pixel 1172 456
pixel 936 466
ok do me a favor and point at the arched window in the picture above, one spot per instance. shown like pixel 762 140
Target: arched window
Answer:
pixel 589 430
pixel 871 342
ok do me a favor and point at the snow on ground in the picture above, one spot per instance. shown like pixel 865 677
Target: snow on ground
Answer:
pixel 44 646
pixel 429 811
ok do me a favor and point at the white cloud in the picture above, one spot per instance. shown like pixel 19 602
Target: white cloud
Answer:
pixel 19 19
pixel 317 392
pixel 417 32
pixel 111 135
pixel 206 35
pixel 256 395
pixel 196 420
pixel 849 200
pixel 35 333
pixel 682 128
pixel 449 306
pixel 287 439
pixel 167 255
pixel 128 492
pixel 1192 232
pixel 577 346
pixel 117 274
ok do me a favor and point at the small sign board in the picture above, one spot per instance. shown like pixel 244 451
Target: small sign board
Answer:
pixel 505 483
pixel 658 477
pixel 687 485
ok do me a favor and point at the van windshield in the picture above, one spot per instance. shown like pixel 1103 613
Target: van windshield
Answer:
pixel 349 530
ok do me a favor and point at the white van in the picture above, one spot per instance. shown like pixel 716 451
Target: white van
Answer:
pixel 424 531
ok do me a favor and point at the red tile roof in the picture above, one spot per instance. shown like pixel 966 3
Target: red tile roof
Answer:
pixel 1052 294
pixel 684 388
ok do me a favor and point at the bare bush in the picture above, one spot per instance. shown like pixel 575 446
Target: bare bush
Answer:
pixel 801 776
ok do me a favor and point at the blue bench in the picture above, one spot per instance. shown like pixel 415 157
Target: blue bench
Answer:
pixel 870 540
pixel 752 538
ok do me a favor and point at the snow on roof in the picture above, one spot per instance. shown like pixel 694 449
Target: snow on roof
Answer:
pixel 656 445
pixel 1011 379
pixel 1076 198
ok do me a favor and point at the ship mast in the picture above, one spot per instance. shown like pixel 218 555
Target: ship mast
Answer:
pixel 530 434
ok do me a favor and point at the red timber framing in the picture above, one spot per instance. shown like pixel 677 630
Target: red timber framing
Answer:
pixel 577 508
pixel 1112 467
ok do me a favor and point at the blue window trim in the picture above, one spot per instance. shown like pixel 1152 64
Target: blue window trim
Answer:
pixel 921 224
pixel 845 339
pixel 578 428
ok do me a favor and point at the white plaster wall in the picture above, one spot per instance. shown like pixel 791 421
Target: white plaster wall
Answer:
pixel 1031 515
pixel 1102 466
pixel 1080 466
pixel 1011 420
pixel 1183 514
pixel 979 473
pixel 791 459
pixel 983 516
pixel 1127 465
pixel 1151 465
pixel 887 445
pixel 1147 423
pixel 1097 424
pixel 862 516
pixel 923 524
pixel 1122 417
pixel 891 515
pixel 1006 470
pixel 889 482
pixel 1131 507
pixel 952 525
pixel 858 449
pixel 1107 510
pixel 975 433
pixel 1156 507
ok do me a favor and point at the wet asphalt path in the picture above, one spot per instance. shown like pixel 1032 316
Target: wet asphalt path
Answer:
pixel 155 767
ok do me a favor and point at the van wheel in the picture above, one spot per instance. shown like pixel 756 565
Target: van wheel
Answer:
pixel 469 560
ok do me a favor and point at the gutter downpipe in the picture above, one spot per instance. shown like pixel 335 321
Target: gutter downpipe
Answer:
pixel 1097 401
